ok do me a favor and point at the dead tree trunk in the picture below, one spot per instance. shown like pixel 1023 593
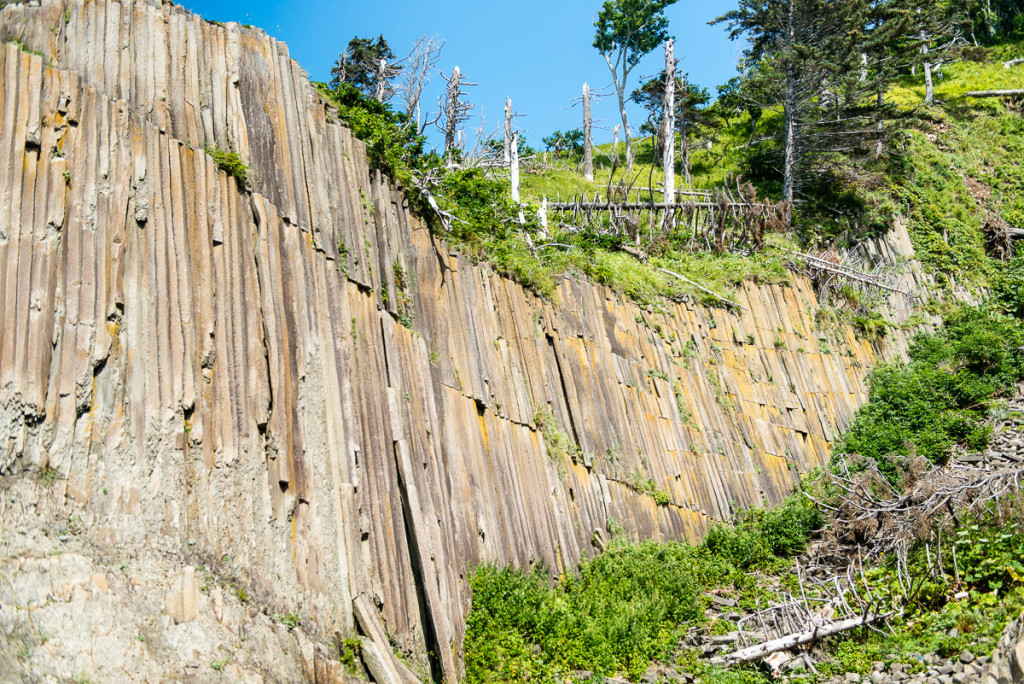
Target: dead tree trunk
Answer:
pixel 797 639
pixel 508 132
pixel 588 144
pixel 789 173
pixel 456 112
pixel 625 132
pixel 995 93
pixel 452 111
pixel 668 157
pixel 380 91
pixel 929 89
pixel 514 149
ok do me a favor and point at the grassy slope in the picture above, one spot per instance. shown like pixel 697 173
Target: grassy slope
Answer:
pixel 966 162
pixel 960 161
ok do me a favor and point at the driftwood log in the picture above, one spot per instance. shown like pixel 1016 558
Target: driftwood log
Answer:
pixel 703 289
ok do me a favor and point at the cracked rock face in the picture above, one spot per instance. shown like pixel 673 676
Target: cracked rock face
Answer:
pixel 212 371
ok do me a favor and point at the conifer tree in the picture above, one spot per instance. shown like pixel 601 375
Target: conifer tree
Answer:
pixel 367 64
pixel 818 62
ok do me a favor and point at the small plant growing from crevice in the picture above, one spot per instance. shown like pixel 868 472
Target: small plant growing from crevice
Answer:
pixel 654 373
pixel 48 475
pixel 289 620
pixel 556 440
pixel 403 297
pixel 642 484
pixel 349 652
pixel 228 161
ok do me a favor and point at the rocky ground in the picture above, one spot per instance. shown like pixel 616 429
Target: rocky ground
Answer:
pixel 73 609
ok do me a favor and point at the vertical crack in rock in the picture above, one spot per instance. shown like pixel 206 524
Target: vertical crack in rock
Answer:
pixel 427 620
pixel 429 601
pixel 565 391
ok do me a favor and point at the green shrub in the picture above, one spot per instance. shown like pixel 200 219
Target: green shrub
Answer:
pixel 626 608
pixel 760 537
pixel 1008 288
pixel 392 143
pixel 939 398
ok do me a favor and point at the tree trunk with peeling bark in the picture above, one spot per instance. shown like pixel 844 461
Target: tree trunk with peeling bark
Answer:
pixel 669 125
pixel 588 143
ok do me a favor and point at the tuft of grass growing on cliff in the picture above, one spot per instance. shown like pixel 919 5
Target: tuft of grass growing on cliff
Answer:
pixel 228 161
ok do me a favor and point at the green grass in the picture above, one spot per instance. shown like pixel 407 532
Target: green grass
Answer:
pixel 965 162
pixel 709 168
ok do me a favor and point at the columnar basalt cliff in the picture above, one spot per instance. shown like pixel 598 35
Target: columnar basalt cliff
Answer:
pixel 221 373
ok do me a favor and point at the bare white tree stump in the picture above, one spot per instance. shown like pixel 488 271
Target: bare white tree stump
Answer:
pixel 588 143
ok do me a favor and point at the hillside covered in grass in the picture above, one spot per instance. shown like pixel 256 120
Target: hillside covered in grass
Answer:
pixel 953 172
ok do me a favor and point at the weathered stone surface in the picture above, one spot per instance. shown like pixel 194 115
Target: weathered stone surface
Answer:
pixel 213 371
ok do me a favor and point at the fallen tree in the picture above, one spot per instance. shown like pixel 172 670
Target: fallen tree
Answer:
pixel 1019 92
pixel 798 639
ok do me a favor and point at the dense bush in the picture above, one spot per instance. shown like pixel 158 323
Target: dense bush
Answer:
pixel 626 607
pixel 1008 288
pixel 761 536
pixel 392 142
pixel 939 398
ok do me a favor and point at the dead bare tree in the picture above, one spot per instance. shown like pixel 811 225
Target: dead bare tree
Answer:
pixel 416 70
pixel 456 109
pixel 669 122
pixel 588 142
pixel 507 158
pixel 384 91
pixel 882 519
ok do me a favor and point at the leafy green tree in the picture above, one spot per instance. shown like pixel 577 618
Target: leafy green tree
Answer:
pixel 569 142
pixel 626 31
pixel 366 63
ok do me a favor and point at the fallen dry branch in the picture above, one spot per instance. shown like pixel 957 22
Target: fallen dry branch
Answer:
pixel 878 517
pixel 996 93
pixel 798 639
pixel 845 272
pixel 1013 62
pixel 703 289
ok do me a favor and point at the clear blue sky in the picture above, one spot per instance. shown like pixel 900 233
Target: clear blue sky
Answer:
pixel 537 53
